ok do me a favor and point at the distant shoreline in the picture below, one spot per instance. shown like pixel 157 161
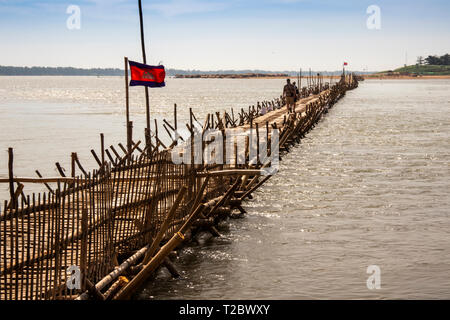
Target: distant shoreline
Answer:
pixel 366 77
pixel 404 77
pixel 71 71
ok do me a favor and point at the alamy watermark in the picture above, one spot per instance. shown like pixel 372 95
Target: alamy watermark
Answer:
pixel 73 278
pixel 373 22
pixel 73 22
pixel 374 280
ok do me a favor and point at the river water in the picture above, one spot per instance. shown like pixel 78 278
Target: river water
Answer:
pixel 369 186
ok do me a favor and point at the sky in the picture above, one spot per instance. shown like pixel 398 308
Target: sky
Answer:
pixel 274 35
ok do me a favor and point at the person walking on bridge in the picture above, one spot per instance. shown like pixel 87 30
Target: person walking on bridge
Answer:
pixel 289 95
pixel 297 93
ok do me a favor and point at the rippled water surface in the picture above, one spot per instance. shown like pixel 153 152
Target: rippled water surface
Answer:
pixel 368 186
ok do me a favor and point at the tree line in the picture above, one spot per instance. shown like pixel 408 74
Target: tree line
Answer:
pixel 70 71
pixel 443 60
pixel 58 71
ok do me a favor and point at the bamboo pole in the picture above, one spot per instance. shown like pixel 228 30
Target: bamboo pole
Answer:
pixel 199 196
pixel 151 266
pixel 250 191
pixel 129 135
pixel 45 183
pixel 129 153
pixel 93 291
pixel 164 226
pixel 257 142
pixel 124 150
pixel 79 165
pixel 17 193
pixel 60 170
pixel 174 129
pixel 224 198
pixel 169 134
pixel 11 178
pixel 116 273
pixel 156 129
pixel 102 147
pixel 300 81
pixel 96 158
pixel 84 248
pixel 310 78
pixel 127 106
pixel 72 164
pixel 110 157
pixel 229 172
pixel 175 121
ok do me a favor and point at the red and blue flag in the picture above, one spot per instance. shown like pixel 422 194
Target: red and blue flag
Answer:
pixel 145 75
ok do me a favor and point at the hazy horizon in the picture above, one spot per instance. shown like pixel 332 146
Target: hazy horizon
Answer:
pixel 270 35
pixel 304 72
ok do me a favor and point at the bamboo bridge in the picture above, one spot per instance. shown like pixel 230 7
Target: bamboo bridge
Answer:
pixel 101 234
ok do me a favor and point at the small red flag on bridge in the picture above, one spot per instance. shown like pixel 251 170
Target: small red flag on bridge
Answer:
pixel 345 63
pixel 145 75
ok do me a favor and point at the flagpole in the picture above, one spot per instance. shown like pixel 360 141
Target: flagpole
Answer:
pixel 127 96
pixel 127 104
pixel 144 57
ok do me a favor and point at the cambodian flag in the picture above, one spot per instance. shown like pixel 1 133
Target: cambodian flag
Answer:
pixel 145 75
